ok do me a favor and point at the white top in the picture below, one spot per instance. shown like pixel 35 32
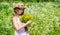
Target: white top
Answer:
pixel 21 31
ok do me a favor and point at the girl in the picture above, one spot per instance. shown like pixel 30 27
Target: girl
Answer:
pixel 17 24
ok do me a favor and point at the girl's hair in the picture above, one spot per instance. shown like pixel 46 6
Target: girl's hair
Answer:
pixel 15 10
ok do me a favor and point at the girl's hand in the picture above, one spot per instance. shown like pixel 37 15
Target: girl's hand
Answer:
pixel 28 22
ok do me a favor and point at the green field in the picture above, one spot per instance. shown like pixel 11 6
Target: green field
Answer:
pixel 45 21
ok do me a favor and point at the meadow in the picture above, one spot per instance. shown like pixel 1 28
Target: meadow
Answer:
pixel 45 21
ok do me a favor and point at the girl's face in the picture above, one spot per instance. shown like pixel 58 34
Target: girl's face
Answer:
pixel 19 11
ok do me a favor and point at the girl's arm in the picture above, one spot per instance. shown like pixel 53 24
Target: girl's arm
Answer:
pixel 16 26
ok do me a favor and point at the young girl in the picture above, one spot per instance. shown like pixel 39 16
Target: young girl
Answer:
pixel 17 24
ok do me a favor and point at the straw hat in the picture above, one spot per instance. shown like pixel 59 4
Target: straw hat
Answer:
pixel 20 5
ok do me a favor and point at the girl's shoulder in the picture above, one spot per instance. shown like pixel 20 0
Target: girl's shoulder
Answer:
pixel 13 16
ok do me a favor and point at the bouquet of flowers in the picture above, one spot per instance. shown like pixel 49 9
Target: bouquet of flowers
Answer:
pixel 24 18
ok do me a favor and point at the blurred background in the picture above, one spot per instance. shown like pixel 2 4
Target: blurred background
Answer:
pixel 45 21
pixel 30 0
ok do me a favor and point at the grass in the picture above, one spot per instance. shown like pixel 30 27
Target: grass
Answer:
pixel 45 21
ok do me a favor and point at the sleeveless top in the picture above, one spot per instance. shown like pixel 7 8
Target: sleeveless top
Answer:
pixel 21 31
